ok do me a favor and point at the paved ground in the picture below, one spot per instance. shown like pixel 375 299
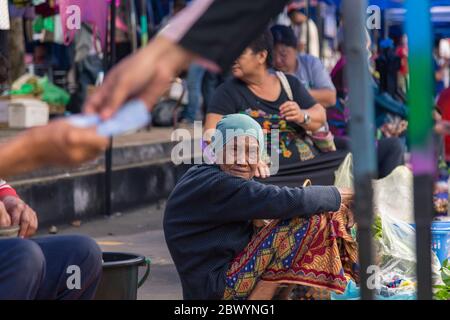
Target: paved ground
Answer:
pixel 138 231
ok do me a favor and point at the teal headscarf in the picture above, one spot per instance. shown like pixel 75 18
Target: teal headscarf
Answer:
pixel 235 125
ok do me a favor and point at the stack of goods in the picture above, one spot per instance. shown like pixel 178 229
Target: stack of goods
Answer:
pixel 42 89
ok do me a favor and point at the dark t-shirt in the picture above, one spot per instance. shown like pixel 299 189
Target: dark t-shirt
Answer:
pixel 235 97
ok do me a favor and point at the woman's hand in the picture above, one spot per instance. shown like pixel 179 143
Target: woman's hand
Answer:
pixel 262 171
pixel 57 143
pixel 292 112
pixel 60 143
pixel 346 196
pixel 5 219
pixel 21 215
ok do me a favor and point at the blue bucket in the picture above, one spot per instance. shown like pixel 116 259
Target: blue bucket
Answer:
pixel 440 239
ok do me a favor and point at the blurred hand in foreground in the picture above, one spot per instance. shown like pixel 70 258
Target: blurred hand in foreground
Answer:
pixel 147 74
pixel 57 143
pixel 60 143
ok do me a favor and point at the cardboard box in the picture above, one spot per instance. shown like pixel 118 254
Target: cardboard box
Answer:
pixel 27 112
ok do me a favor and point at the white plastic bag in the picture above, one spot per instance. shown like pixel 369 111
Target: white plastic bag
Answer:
pixel 393 195
pixel 344 174
pixel 396 250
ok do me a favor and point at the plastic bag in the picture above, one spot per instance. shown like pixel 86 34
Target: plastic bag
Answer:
pixel 53 94
pixel 394 203
pixel 41 88
pixel 395 249
pixel 398 249
pixel 393 195
pixel 344 174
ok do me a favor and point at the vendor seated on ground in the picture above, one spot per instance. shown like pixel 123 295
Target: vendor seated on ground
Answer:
pixel 38 268
pixel 258 92
pixel 209 232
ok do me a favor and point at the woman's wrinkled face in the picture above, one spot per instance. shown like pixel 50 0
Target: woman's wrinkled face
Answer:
pixel 247 63
pixel 285 58
pixel 240 157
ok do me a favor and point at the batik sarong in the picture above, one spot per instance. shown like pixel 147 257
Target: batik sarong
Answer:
pixel 317 252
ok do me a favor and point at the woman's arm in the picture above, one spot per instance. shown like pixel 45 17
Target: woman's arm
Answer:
pixel 326 97
pixel 303 104
pixel 249 200
pixel 57 143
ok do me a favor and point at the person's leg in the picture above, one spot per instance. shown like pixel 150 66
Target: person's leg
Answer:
pixel 60 253
pixel 22 269
pixel 391 154
pixel 247 268
pixel 194 85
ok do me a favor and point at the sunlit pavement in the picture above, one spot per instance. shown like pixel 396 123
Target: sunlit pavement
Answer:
pixel 138 231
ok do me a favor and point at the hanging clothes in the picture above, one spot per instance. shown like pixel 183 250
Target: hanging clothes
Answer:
pixel 21 3
pixel 94 13
pixel 46 9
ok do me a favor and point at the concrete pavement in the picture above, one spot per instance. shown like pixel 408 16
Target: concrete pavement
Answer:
pixel 138 231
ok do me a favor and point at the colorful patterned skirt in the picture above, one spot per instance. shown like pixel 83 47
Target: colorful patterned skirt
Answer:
pixel 317 252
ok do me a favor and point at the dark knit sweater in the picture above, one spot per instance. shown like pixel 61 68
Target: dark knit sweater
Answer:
pixel 208 216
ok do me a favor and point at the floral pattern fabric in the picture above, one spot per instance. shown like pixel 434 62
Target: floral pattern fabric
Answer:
pixel 292 145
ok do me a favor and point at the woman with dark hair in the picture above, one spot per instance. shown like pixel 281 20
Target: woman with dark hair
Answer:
pixel 258 92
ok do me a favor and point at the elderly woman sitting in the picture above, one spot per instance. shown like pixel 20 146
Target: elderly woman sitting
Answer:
pixel 218 253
